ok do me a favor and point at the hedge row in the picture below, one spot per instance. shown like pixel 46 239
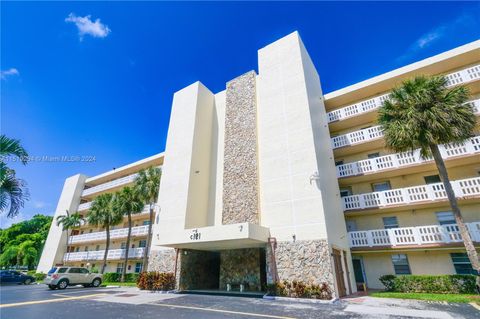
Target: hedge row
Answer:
pixel 154 280
pixel 299 289
pixel 464 284
pixel 115 277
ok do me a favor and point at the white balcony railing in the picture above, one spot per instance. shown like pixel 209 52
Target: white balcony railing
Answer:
pixel 398 160
pixel 460 77
pixel 114 254
pixel 105 186
pixel 411 195
pixel 115 233
pixel 87 205
pixel 374 132
pixel 420 235
pixel 357 137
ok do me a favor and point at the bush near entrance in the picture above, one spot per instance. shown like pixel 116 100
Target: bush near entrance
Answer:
pixel 154 280
pixel 299 289
pixel 442 284
pixel 115 277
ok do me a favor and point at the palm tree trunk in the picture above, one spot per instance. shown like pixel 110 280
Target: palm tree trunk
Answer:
pixel 149 238
pixel 124 271
pixel 467 240
pixel 107 246
pixel 66 230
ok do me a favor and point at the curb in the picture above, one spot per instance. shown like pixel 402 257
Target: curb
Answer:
pixel 474 305
pixel 300 300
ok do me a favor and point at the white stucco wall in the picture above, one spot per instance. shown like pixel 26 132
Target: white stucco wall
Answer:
pixel 55 245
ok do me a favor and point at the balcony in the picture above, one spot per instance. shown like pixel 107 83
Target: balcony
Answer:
pixel 412 236
pixel 87 205
pixel 114 234
pixel 114 254
pixel 400 160
pixel 460 77
pixel 421 194
pixel 374 132
pixel 109 185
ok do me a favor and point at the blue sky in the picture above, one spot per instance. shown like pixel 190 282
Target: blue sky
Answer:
pixel 72 85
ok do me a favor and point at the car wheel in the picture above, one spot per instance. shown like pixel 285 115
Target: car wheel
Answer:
pixel 27 281
pixel 96 282
pixel 52 287
pixel 62 284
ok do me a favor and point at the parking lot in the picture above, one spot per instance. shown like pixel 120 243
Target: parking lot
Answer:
pixel 38 302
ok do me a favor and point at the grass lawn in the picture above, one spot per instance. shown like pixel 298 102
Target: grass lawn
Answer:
pixel 127 284
pixel 463 298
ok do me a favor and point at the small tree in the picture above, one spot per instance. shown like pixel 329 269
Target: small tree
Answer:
pixel 128 202
pixel 147 184
pixel 424 113
pixel 102 214
pixel 69 222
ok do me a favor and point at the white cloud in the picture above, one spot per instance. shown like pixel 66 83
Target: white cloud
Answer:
pixel 450 28
pixel 6 73
pixel 39 204
pixel 87 27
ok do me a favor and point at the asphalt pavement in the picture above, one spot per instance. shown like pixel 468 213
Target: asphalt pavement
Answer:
pixel 38 302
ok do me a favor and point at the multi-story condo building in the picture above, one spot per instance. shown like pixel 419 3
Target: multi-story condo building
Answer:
pixel 86 244
pixel 271 179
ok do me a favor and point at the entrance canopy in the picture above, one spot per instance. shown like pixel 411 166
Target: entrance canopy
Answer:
pixel 232 236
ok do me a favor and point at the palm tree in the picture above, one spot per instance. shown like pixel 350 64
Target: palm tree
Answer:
pixel 147 184
pixel 13 191
pixel 69 221
pixel 423 113
pixel 102 214
pixel 128 202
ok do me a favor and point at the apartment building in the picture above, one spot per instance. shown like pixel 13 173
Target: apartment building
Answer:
pixel 396 211
pixel 271 179
pixel 86 244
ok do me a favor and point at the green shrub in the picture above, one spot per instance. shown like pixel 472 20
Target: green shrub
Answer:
pixel 154 280
pixel 388 281
pixel 115 277
pixel 94 270
pixel 299 289
pixel 39 276
pixel 463 284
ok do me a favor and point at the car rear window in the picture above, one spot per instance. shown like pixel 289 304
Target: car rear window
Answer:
pixel 62 270
pixel 51 271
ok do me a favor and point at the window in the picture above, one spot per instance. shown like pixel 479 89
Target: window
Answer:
pixel 119 268
pixel 98 247
pixel 338 163
pixel 383 186
pixel 138 267
pixel 445 218
pixel 345 192
pixel 390 222
pixel 86 248
pixel 74 271
pixel 462 264
pixel 432 179
pixel 62 270
pixel 83 271
pixel 78 249
pixel 146 222
pixel 123 245
pixel 373 155
pixel 400 264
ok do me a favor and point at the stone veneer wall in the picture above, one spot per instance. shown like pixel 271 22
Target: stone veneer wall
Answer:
pixel 240 174
pixel 242 266
pixel 308 261
pixel 162 260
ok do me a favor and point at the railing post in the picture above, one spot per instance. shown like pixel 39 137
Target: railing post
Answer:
pixel 457 189
pixel 391 237
pixel 369 238
pixel 445 234
pixel 417 236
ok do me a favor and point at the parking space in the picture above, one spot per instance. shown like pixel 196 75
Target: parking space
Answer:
pixel 37 301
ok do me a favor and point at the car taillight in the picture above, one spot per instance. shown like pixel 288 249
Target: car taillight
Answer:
pixel 55 276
